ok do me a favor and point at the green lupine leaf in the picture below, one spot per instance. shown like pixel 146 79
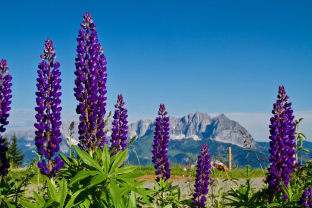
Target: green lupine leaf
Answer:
pixel 305 150
pixel 98 154
pixel 115 193
pixel 273 205
pixel 8 203
pixel 120 158
pixel 64 158
pixel 296 197
pixel 62 192
pixel 82 175
pixel 301 135
pixel 105 159
pixel 29 204
pixel 51 191
pixel 97 179
pixel 130 176
pixel 132 200
pixel 39 198
pixel 72 201
pixel 87 159
pixel 125 169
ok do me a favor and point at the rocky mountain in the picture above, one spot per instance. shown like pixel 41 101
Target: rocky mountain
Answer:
pixel 198 126
pixel 187 134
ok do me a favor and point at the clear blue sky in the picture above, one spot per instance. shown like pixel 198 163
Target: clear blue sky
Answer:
pixel 207 56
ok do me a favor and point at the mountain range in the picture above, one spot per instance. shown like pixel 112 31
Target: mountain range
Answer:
pixel 187 134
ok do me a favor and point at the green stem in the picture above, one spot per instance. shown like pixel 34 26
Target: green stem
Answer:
pixel 297 131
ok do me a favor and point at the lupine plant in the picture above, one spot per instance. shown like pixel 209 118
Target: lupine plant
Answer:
pixel 90 87
pixel 5 96
pixel 120 127
pixel 160 145
pixel 96 177
pixel 306 198
pixel 282 144
pixel 202 176
pixel 48 114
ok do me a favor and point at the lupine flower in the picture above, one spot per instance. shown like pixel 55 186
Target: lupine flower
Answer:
pixel 5 96
pixel 48 114
pixel 202 176
pixel 192 166
pixel 282 144
pixel 184 169
pixel 306 198
pixel 90 87
pixel 120 127
pixel 161 140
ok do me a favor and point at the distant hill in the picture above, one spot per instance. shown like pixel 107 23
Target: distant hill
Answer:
pixel 187 134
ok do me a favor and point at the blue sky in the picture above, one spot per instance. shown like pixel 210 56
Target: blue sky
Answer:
pixel 207 56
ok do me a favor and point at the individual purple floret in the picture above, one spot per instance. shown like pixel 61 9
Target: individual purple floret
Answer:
pixel 306 198
pixel 48 114
pixel 202 176
pixel 282 144
pixel 161 140
pixel 120 127
pixel 5 96
pixel 90 87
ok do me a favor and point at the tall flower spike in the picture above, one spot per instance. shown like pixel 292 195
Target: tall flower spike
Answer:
pixel 5 96
pixel 202 176
pixel 90 87
pixel 120 127
pixel 282 144
pixel 306 198
pixel 161 140
pixel 48 114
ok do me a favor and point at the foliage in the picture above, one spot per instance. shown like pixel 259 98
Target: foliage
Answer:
pixel 16 158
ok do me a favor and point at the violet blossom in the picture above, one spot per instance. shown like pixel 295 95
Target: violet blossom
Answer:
pixel 161 140
pixel 90 87
pixel 282 144
pixel 202 176
pixel 120 127
pixel 48 114
pixel 306 198
pixel 5 96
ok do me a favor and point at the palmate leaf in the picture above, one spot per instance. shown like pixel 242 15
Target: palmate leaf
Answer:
pixel 52 192
pixel 39 198
pixel 97 179
pixel 82 175
pixel 29 204
pixel 114 192
pixel 125 169
pixel 105 159
pixel 9 203
pixel 87 159
pixel 62 192
pixel 120 158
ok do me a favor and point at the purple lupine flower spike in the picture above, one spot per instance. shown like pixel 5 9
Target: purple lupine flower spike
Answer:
pixel 306 198
pixel 48 114
pixel 90 87
pixel 202 176
pixel 161 140
pixel 282 144
pixel 120 127
pixel 5 96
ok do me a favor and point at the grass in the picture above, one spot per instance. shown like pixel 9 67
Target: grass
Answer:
pixel 149 170
pixel 178 170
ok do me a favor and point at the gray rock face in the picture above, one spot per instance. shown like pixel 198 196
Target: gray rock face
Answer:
pixel 199 126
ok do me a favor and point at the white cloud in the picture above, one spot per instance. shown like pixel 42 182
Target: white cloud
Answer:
pixel 257 124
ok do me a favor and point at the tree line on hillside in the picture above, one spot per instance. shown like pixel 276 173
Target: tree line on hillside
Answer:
pixel 14 155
